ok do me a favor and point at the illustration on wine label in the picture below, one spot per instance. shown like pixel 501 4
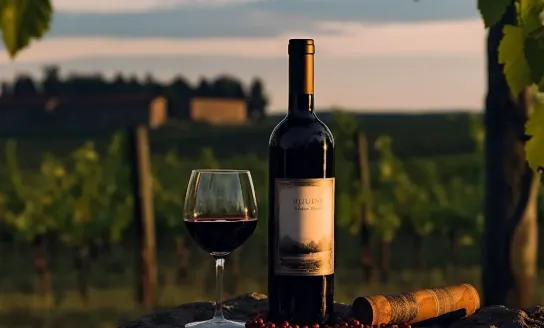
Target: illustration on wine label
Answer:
pixel 304 227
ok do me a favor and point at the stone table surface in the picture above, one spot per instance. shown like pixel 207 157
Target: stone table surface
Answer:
pixel 246 306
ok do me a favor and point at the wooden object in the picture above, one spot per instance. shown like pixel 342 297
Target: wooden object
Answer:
pixel 416 306
pixel 144 225
pixel 364 177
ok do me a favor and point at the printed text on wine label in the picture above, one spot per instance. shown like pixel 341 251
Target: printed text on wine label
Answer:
pixel 304 227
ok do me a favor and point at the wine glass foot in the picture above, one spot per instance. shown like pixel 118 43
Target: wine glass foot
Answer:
pixel 215 323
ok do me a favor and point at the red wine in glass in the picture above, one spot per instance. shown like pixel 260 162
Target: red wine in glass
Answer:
pixel 220 236
pixel 220 214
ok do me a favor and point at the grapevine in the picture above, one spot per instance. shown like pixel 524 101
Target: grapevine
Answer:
pixel 85 198
pixel 521 51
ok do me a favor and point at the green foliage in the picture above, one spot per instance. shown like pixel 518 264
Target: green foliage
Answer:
pixel 85 197
pixel 528 16
pixel 168 196
pixel 533 48
pixel 492 10
pixel 27 207
pixel 511 55
pixel 423 196
pixel 521 51
pixel 477 132
pixel 392 192
pixel 349 193
pixel 98 196
pixel 533 128
pixel 22 21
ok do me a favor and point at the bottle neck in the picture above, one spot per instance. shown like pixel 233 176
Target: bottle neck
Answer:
pixel 301 84
pixel 300 104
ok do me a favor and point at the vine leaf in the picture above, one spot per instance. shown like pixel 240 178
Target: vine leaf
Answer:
pixel 534 53
pixel 492 10
pixel 22 21
pixel 511 55
pixel 530 16
pixel 533 128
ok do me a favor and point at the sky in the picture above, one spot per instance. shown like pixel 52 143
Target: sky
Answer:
pixel 371 55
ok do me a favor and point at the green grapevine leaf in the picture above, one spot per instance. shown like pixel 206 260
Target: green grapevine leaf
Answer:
pixel 511 55
pixel 529 16
pixel 23 20
pixel 492 10
pixel 534 54
pixel 534 128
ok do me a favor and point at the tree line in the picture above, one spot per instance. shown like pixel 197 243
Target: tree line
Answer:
pixel 179 91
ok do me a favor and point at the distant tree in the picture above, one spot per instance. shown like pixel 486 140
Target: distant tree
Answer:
pixel 24 86
pixel 133 84
pixel 203 89
pixel 227 87
pixel 51 82
pixel 119 84
pixel 6 88
pixel 179 94
pixel 257 100
pixel 181 86
pixel 78 84
pixel 152 86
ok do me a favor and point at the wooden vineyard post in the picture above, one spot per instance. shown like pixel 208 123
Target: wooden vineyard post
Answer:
pixel 364 176
pixel 144 223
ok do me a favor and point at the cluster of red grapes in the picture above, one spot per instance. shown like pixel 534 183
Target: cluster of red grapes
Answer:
pixel 260 323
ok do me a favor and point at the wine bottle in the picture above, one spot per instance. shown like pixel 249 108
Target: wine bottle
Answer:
pixel 301 203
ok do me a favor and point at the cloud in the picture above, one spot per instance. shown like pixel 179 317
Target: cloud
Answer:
pixel 194 22
pixel 129 6
pixel 104 6
pixel 334 39
pixel 379 11
pixel 239 18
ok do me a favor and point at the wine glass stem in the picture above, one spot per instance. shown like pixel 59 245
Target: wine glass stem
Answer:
pixel 219 269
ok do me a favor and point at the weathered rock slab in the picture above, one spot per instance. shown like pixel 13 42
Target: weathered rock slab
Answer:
pixel 246 306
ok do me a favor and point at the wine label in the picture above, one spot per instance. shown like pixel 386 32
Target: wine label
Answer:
pixel 304 227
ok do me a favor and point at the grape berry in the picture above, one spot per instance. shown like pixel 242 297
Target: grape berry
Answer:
pixel 260 323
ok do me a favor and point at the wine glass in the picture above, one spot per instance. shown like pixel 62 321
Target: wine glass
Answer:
pixel 220 214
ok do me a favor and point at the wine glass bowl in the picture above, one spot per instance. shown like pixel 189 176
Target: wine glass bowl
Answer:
pixel 220 214
pixel 219 237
